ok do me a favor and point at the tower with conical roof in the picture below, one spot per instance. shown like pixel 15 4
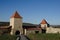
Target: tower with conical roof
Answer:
pixel 16 23
pixel 43 23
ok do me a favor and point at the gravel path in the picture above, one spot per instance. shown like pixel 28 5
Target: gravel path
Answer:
pixel 23 37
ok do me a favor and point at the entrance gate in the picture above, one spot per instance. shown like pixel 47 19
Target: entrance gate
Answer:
pixel 17 32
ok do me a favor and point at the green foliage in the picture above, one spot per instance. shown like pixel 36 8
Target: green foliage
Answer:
pixel 7 37
pixel 44 36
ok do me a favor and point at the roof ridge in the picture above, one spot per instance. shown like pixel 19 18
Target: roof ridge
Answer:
pixel 16 15
pixel 44 21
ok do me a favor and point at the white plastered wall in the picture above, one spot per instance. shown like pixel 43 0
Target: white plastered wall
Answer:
pixel 53 30
pixel 43 26
pixel 16 24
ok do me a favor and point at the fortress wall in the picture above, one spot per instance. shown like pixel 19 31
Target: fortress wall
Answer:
pixel 53 30
pixel 32 31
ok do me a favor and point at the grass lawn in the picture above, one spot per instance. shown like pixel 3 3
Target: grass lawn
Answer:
pixel 7 37
pixel 33 37
pixel 44 36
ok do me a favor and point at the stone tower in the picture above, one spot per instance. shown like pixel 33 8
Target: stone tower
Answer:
pixel 16 23
pixel 44 25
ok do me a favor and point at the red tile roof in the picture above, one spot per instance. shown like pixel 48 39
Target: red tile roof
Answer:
pixel 43 21
pixel 16 15
pixel 5 27
pixel 33 28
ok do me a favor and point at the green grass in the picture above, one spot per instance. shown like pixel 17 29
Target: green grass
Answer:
pixel 7 37
pixel 44 36
pixel 33 37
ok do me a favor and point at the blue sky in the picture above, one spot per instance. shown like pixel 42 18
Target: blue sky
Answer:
pixel 32 11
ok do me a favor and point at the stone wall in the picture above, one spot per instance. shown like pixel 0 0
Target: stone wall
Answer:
pixel 52 30
pixel 16 24
pixel 32 31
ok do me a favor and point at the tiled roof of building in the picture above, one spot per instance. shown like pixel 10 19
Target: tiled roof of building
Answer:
pixel 44 21
pixel 5 27
pixel 16 15
pixel 33 28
